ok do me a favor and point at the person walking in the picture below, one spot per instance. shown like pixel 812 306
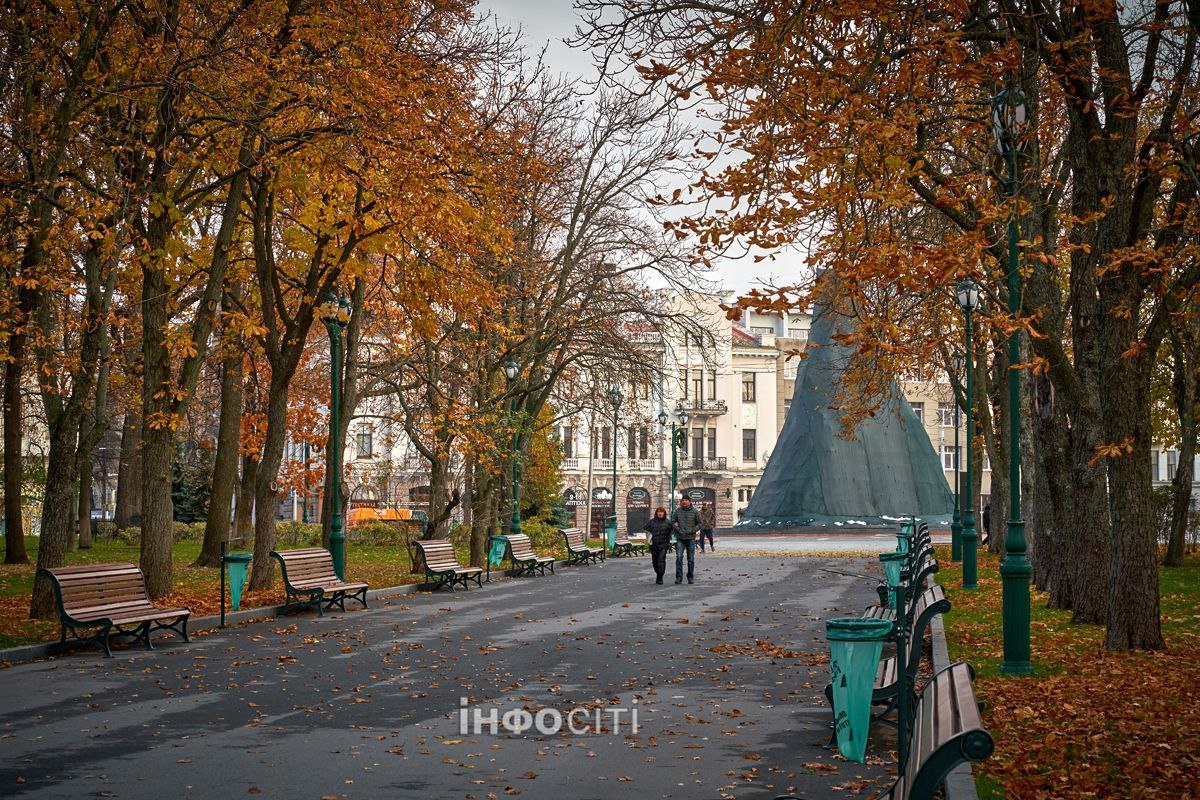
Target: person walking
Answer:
pixel 987 523
pixel 659 528
pixel 686 521
pixel 708 521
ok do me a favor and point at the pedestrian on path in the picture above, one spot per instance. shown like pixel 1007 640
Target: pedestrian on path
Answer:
pixel 659 528
pixel 686 521
pixel 708 521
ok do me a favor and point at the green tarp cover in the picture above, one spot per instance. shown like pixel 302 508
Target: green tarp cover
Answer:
pixel 815 478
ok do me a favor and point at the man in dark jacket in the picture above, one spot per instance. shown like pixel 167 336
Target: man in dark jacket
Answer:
pixel 686 521
pixel 659 528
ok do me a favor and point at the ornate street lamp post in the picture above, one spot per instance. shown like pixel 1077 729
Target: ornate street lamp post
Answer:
pixel 956 364
pixel 614 399
pixel 968 300
pixel 678 437
pixel 511 370
pixel 1008 123
pixel 335 312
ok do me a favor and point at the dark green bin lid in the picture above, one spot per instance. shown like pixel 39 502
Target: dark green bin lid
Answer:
pixel 857 629
pixel 245 558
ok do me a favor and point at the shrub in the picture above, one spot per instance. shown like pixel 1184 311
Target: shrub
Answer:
pixel 131 535
pixel 381 533
pixel 544 535
pixel 298 534
pixel 106 530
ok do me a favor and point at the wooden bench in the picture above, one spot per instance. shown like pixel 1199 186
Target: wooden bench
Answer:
pixel 947 731
pixel 308 573
pixel 624 546
pixel 885 692
pixel 578 551
pixel 442 567
pixel 113 598
pixel 527 562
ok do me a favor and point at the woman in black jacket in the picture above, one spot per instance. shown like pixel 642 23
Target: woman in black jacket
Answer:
pixel 659 528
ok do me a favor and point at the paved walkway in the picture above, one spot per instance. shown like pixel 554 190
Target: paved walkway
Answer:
pixel 727 675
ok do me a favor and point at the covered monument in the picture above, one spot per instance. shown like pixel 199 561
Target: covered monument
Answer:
pixel 815 478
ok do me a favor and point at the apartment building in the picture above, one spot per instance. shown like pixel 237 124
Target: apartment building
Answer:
pixel 736 385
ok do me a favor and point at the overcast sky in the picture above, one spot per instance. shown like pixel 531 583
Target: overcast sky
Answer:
pixel 545 23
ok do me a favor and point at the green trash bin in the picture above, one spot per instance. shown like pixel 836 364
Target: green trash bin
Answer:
pixel 855 645
pixel 497 550
pixel 893 566
pixel 236 565
pixel 610 532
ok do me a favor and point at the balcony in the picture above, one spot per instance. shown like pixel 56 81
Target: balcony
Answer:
pixel 703 464
pixel 644 465
pixel 570 463
pixel 705 407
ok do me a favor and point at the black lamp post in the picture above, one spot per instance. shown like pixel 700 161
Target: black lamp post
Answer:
pixel 335 312
pixel 956 363
pixel 614 399
pixel 968 300
pixel 1008 127
pixel 511 370
pixel 678 439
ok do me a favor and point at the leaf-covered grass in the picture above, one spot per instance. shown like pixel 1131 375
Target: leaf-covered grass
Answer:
pixel 197 588
pixel 1089 723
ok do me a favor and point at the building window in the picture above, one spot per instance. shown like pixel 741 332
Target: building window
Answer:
pixel 698 442
pixel 698 384
pixel 712 384
pixel 568 441
pixel 683 383
pixel 741 495
pixel 919 410
pixel 1172 460
pixel 712 443
pixel 362 442
pixel 797 333
pixel 948 456
pixel 749 393
pixel 761 329
pixel 987 462
pixel 644 442
pixel 946 415
pixel 606 442
pixel 749 443
pixel 1154 465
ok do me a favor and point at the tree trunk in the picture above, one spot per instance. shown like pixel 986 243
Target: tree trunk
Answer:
pixel 996 431
pixel 1186 385
pixel 1133 602
pixel 266 494
pixel 225 466
pixel 14 529
pixel 244 516
pixel 56 508
pixel 128 509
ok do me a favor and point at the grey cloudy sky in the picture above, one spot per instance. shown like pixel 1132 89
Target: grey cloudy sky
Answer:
pixel 545 23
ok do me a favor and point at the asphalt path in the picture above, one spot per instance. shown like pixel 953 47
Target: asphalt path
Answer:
pixel 726 676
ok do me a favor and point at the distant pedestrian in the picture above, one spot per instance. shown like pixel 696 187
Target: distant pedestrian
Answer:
pixel 987 522
pixel 708 521
pixel 686 521
pixel 659 528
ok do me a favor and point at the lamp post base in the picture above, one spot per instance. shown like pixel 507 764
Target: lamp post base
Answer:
pixel 1016 573
pixel 956 541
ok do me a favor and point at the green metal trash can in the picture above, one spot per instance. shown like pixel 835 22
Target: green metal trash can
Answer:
pixel 610 532
pixel 236 565
pixel 893 565
pixel 497 550
pixel 855 645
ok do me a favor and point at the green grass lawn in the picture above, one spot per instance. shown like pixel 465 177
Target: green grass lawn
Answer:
pixel 1088 721
pixel 197 588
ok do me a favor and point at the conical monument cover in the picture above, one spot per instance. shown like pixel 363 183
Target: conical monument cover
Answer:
pixel 815 478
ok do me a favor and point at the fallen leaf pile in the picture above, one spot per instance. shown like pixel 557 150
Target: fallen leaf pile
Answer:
pixel 1089 723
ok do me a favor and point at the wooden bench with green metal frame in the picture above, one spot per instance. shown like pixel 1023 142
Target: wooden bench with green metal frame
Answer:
pixel 578 551
pixel 946 731
pixel 885 692
pixel 308 573
pixel 442 567
pixel 624 546
pixel 113 598
pixel 527 562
